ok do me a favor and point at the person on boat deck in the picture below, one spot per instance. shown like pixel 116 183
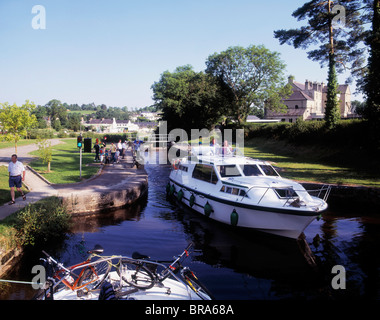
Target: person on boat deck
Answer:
pixel 226 149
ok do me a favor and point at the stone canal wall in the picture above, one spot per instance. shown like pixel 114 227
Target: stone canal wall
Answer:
pixel 100 199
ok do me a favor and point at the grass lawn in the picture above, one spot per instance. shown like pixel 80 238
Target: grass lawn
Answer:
pixel 65 163
pixel 305 165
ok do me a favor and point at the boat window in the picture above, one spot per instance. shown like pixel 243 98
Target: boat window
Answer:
pixel 286 193
pixel 251 170
pixel 183 168
pixel 268 170
pixel 229 171
pixel 222 189
pixel 229 189
pixel 243 193
pixel 205 173
pixel 235 191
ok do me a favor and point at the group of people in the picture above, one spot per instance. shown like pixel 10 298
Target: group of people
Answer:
pixel 113 154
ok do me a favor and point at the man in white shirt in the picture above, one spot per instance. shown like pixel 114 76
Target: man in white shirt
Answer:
pixel 16 175
pixel 123 148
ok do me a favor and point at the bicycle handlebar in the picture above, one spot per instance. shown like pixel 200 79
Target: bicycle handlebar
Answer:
pixel 56 262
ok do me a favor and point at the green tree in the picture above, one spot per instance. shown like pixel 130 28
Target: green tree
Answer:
pixel 45 152
pixel 338 43
pixel 252 76
pixel 56 124
pixel 332 111
pixel 73 121
pixel 188 100
pixel 56 110
pixel 16 121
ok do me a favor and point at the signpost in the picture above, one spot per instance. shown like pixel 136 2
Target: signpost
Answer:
pixel 80 145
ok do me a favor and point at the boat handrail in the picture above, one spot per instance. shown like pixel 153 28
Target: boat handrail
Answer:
pixel 326 188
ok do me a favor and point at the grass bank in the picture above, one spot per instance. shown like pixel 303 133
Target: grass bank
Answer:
pixel 65 164
pixel 312 163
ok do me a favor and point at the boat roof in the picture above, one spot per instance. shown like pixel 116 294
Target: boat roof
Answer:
pixel 212 155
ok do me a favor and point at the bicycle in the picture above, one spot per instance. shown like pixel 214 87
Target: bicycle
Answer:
pixel 141 273
pixel 91 276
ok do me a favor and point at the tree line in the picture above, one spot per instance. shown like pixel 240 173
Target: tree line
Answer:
pixel 234 83
pixel 63 115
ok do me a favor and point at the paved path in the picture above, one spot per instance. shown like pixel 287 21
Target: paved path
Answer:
pixel 22 152
pixel 109 177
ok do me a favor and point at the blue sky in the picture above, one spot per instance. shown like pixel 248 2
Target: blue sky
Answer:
pixel 112 51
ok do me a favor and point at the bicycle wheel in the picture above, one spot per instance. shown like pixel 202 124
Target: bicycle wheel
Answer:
pixel 136 274
pixel 94 275
pixel 198 287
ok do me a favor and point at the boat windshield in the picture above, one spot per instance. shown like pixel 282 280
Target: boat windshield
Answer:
pixel 251 170
pixel 229 171
pixel 268 170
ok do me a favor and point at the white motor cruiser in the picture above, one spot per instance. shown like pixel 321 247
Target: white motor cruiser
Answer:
pixel 243 192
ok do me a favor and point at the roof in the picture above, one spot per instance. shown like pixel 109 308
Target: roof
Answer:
pixel 100 121
pixel 289 112
pixel 298 96
pixel 299 85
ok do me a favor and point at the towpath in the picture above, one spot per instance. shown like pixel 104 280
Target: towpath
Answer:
pixel 89 195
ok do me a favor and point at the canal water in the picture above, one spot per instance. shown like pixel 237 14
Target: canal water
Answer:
pixel 234 265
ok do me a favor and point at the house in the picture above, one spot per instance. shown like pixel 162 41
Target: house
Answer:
pixel 115 126
pixel 308 101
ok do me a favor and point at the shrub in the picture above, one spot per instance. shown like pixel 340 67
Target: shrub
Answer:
pixel 41 133
pixel 42 222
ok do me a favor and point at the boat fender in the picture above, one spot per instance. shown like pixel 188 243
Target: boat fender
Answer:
pixel 207 209
pixel 171 190
pixel 192 200
pixel 234 218
pixel 180 195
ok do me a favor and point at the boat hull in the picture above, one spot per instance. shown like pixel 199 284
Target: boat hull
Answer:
pixel 278 221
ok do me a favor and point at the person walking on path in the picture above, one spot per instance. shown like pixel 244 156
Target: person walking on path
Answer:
pixel 123 148
pixel 16 176
pixel 113 152
pixel 97 149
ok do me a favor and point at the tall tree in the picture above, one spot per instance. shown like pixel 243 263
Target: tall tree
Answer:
pixel 188 100
pixel 338 29
pixel 253 76
pixel 17 120
pixel 372 79
pixel 57 111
